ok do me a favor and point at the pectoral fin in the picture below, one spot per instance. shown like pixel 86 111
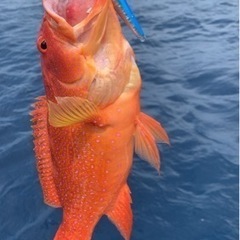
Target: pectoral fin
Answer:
pixel 71 110
pixel 121 213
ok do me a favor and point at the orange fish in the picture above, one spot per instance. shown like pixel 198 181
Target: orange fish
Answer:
pixel 89 124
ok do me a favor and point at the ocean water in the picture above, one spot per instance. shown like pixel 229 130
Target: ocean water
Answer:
pixel 189 67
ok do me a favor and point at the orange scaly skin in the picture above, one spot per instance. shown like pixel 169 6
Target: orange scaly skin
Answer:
pixel 89 122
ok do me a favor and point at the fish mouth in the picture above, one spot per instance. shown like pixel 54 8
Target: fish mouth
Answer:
pixel 77 13
pixel 75 19
pixel 72 11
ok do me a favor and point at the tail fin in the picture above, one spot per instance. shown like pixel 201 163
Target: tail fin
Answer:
pixel 73 229
pixel 121 214
pixel 148 132
pixel 62 234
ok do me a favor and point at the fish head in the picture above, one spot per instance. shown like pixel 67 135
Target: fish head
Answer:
pixel 70 34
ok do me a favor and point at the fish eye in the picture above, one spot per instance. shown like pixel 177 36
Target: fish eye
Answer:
pixel 42 45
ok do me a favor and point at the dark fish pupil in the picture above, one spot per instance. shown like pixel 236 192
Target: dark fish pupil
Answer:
pixel 44 45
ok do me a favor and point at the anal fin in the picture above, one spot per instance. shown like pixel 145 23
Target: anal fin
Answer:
pixel 148 133
pixel 42 151
pixel 121 213
pixel 156 129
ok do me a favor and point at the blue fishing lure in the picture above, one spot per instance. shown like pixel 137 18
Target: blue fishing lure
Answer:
pixel 125 12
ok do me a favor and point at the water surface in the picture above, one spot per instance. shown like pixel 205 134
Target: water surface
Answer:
pixel 189 66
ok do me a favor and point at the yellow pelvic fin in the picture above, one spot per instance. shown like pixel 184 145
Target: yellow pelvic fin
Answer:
pixel 71 110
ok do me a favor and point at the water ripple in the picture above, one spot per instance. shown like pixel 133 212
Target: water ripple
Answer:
pixel 189 66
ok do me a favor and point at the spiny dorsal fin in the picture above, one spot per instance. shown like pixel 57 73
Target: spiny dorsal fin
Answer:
pixel 70 110
pixel 43 154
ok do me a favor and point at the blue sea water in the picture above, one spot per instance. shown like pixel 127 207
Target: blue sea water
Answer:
pixel 189 66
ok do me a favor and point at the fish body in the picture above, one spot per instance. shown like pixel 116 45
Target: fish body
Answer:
pixel 89 123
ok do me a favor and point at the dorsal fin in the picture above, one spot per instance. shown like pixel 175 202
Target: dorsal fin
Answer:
pixel 43 154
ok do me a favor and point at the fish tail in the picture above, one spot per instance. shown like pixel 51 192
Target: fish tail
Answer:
pixel 63 234
pixel 66 232
pixel 76 225
pixel 120 212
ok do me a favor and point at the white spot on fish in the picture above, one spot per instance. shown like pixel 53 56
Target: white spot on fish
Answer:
pixel 89 10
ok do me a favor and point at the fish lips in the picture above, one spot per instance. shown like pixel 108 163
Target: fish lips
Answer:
pixel 67 22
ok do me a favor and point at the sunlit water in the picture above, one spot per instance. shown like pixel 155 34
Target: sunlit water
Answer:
pixel 189 66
